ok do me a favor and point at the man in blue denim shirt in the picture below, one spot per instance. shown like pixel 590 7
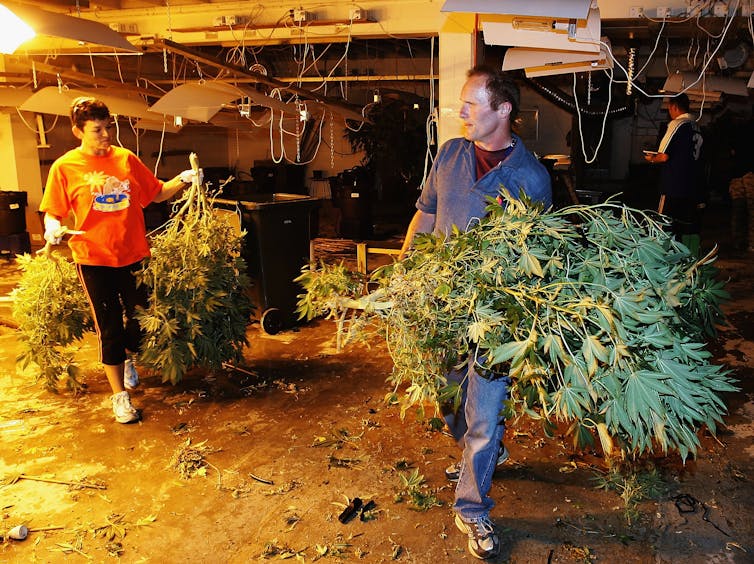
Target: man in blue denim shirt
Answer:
pixel 465 172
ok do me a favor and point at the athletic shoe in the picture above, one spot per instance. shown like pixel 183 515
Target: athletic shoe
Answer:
pixel 130 376
pixel 484 542
pixel 454 470
pixel 122 408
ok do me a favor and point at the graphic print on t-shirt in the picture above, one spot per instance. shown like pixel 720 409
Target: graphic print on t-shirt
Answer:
pixel 110 194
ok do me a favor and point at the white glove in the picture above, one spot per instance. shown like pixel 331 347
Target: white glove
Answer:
pixel 53 231
pixel 187 176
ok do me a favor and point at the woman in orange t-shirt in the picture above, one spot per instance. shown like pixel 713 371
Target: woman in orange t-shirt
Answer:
pixel 105 188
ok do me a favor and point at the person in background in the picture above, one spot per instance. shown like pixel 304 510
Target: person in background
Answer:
pixel 466 172
pixel 682 174
pixel 105 188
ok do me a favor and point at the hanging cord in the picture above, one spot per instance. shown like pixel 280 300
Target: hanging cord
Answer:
pixel 34 129
pixel 588 90
pixel 276 160
pixel 298 135
pixel 170 24
pixel 332 141
pixel 91 63
pixel 651 54
pixel 711 58
pixel 117 129
pixel 316 147
pixel 117 64
pixel 631 69
pixel 431 122
pixel 159 152
pixel 590 160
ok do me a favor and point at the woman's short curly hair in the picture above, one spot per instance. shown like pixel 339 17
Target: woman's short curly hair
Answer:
pixel 86 108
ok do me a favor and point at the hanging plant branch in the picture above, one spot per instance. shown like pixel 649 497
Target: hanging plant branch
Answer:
pixel 52 313
pixel 198 309
pixel 598 315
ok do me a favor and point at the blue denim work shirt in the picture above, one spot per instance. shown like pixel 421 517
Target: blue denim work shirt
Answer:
pixel 452 194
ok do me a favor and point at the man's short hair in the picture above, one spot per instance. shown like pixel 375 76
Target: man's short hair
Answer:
pixel 86 108
pixel 500 86
pixel 681 102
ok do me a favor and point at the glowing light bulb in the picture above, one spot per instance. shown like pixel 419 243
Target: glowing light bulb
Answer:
pixel 15 31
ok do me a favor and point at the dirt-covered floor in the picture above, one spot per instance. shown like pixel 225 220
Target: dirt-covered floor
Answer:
pixel 256 464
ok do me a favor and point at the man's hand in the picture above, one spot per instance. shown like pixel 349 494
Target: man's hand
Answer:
pixel 188 176
pixel 53 230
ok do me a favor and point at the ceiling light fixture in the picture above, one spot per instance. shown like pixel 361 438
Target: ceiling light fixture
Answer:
pixel 42 22
pixel 566 9
pixel 15 31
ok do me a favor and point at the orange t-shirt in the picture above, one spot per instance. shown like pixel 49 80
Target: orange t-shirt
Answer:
pixel 106 195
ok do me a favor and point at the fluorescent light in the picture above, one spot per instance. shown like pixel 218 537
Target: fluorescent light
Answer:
pixel 568 9
pixel 544 33
pixel 15 31
pixel 522 57
pixel 546 62
pixel 198 101
pixel 57 101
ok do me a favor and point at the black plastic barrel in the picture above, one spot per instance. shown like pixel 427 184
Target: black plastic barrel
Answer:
pixel 12 212
pixel 352 197
pixel 276 247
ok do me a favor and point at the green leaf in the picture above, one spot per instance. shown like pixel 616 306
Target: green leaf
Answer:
pixel 530 264
pixel 507 351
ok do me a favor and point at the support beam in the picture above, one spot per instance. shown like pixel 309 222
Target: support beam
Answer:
pixel 76 76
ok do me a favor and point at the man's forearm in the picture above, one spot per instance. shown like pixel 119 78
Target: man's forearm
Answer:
pixel 421 223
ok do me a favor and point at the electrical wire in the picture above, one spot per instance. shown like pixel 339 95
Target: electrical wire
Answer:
pixel 34 129
pixel 590 160
pixel 117 129
pixel 159 151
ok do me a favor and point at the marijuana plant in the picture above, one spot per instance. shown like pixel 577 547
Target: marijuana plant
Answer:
pixel 598 315
pixel 52 313
pixel 199 307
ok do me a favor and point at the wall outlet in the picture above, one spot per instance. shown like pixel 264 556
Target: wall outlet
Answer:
pixel 128 28
pixel 720 9
pixel 635 11
pixel 663 12
pixel 236 20
pixel 300 15
pixel 746 9
pixel 357 14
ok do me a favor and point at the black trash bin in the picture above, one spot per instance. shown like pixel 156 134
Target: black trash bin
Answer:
pixel 14 238
pixel 276 247
pixel 351 194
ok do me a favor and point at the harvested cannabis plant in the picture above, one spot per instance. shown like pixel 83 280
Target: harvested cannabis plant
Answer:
pixel 599 316
pixel 198 308
pixel 52 313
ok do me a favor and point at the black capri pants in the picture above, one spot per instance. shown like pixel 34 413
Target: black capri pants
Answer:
pixel 114 297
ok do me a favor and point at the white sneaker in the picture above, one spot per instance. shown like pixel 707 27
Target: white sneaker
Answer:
pixel 122 408
pixel 130 376
pixel 484 542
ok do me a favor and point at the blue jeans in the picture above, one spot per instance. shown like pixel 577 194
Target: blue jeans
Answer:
pixel 478 428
